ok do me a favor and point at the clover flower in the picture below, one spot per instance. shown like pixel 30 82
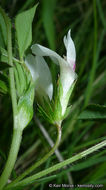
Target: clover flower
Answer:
pixel 39 69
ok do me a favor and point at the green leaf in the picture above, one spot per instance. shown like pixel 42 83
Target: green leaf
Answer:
pixel 3 33
pixel 48 21
pixel 55 167
pixel 101 13
pixel 23 23
pixel 93 111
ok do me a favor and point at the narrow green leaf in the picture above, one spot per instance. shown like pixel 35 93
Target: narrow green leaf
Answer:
pixel 76 167
pixel 55 167
pixel 3 32
pixel 48 21
pixel 93 112
pixel 89 89
pixel 23 23
pixel 101 13
pixel 101 172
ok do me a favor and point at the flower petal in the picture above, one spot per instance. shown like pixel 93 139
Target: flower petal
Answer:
pixel 45 79
pixel 40 72
pixel 70 47
pixel 67 77
pixel 30 63
pixel 43 51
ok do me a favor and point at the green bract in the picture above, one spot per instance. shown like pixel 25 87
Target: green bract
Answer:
pixel 25 109
pixel 25 95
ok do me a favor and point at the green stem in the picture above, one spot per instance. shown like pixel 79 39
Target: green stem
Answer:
pixel 17 134
pixel 34 177
pixel 13 58
pixel 33 167
pixel 11 71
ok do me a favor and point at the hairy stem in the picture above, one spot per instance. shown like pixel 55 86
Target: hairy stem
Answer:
pixel 33 167
pixel 17 134
pixel 10 62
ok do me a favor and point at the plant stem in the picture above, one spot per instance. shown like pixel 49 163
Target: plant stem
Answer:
pixel 34 177
pixel 11 71
pixel 17 134
pixel 33 167
pixel 49 140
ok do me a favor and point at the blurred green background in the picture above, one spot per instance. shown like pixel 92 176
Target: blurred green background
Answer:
pixel 52 20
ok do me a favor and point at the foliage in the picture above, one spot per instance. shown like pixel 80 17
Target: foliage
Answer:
pixel 85 124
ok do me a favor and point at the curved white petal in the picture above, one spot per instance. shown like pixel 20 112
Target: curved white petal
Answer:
pixel 67 74
pixel 70 48
pixel 43 51
pixel 45 80
pixel 40 72
pixel 67 77
pixel 30 63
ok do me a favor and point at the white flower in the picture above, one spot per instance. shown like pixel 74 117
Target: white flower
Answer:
pixel 70 48
pixel 40 72
pixel 67 68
